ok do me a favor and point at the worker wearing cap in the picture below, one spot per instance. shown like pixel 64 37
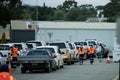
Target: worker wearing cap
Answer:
pixel 14 53
pixel 81 52
pixel 4 73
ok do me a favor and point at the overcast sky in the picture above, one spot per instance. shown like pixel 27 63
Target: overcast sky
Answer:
pixel 55 3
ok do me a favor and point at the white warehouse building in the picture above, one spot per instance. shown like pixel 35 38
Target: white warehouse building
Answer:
pixel 76 31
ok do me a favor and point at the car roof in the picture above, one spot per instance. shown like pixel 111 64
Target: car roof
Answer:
pixel 54 47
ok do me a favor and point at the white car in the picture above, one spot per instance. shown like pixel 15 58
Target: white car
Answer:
pixel 68 55
pixel 31 45
pixel 2 59
pixel 57 55
pixel 37 42
pixel 5 49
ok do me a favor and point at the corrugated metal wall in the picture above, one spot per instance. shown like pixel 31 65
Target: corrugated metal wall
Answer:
pixel 105 36
pixel 22 35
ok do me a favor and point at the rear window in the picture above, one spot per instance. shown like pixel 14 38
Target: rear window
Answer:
pixel 29 46
pixel 91 43
pixel 38 53
pixel 37 43
pixel 51 49
pixel 4 47
pixel 18 46
pixel 60 45
pixel 71 47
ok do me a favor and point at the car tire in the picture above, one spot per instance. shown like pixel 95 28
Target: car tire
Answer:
pixel 58 67
pixel 23 70
pixel 48 70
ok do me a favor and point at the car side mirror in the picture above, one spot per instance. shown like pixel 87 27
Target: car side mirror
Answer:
pixel 62 53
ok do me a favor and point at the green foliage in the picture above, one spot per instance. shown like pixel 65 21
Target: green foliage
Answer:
pixel 59 15
pixel 9 9
pixel 111 10
pixel 81 13
pixel 3 38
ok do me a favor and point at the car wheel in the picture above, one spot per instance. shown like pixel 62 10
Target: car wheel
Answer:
pixel 48 70
pixel 58 67
pixel 69 63
pixel 23 70
pixel 30 70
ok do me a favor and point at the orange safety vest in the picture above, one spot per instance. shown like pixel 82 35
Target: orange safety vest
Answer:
pixel 14 52
pixel 91 50
pixel 6 76
pixel 81 51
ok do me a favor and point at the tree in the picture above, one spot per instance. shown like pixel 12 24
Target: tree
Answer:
pixel 67 5
pixel 111 10
pixel 59 15
pixel 9 9
pixel 81 13
pixel 3 38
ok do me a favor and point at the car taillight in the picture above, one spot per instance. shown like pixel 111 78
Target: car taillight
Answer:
pixel 54 56
pixel 67 51
pixel 45 62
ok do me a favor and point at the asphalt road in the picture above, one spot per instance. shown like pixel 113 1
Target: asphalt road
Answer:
pixel 97 71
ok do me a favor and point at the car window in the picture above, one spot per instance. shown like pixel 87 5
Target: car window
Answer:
pixel 60 45
pixel 77 43
pixel 71 47
pixel 91 43
pixel 18 46
pixel 4 47
pixel 29 46
pixel 37 43
pixel 38 53
pixel 51 49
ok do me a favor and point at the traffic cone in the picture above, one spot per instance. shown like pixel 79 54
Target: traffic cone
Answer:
pixel 10 68
pixel 108 60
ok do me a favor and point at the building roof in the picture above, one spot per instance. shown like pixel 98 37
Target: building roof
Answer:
pixel 20 24
pixel 77 25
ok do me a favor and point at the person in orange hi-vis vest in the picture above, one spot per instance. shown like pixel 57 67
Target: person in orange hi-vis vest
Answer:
pixel 81 52
pixel 4 73
pixel 91 53
pixel 14 53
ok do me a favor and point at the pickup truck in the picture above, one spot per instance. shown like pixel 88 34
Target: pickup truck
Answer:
pixel 37 60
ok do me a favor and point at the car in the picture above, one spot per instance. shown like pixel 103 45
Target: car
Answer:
pixel 74 49
pixel 22 47
pixel 37 59
pixel 68 56
pixel 55 52
pixel 94 43
pixel 5 49
pixel 2 59
pixel 31 45
pixel 37 42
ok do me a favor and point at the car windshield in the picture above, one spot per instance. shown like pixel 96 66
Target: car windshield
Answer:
pixel 60 45
pixel 29 46
pixel 91 43
pixel 37 43
pixel 18 46
pixel 4 47
pixel 37 53
pixel 51 49
pixel 71 47
pixel 81 43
